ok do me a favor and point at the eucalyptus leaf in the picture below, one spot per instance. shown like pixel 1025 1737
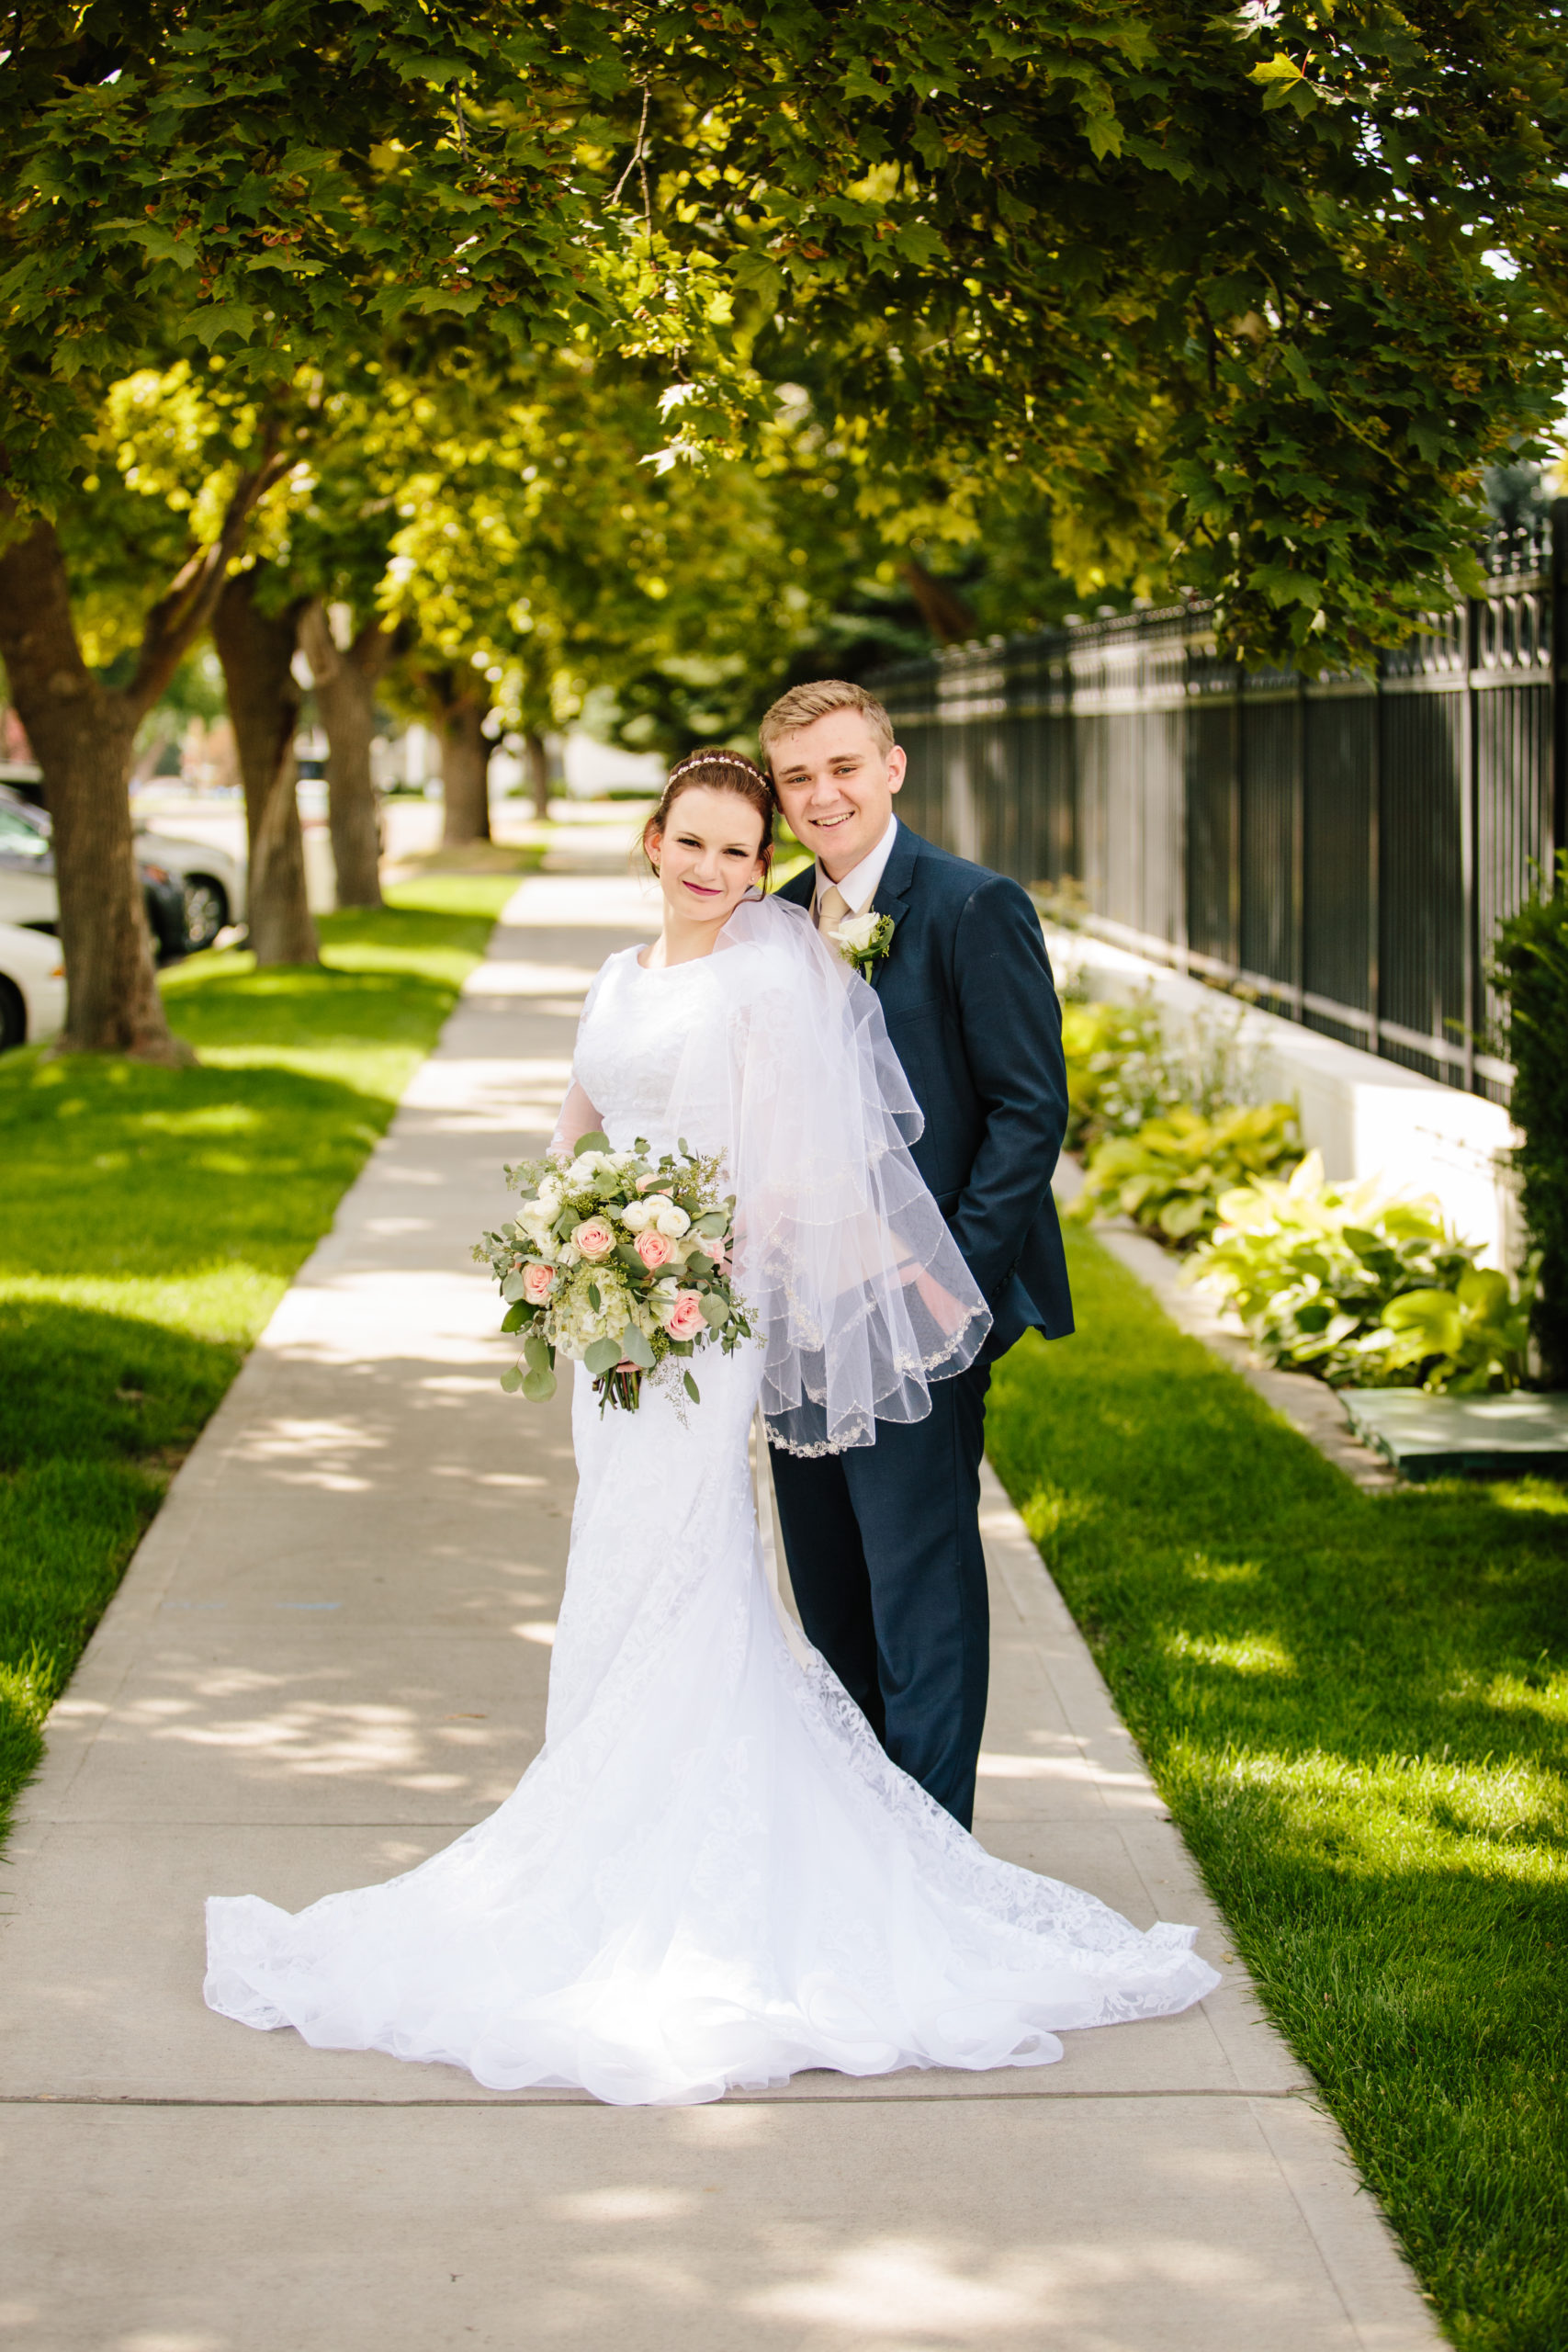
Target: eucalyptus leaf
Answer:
pixel 538 1387
pixel 591 1141
pixel 511 1380
pixel 602 1357
pixel 537 1351
pixel 635 1348
pixel 515 1316
pixel 693 1391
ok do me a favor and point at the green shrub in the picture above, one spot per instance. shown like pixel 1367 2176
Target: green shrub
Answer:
pixel 1124 1067
pixel 1531 974
pixel 1100 1043
pixel 1363 1288
pixel 1171 1176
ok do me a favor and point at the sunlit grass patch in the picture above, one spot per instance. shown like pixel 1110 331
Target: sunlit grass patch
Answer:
pixel 1357 1708
pixel 149 1221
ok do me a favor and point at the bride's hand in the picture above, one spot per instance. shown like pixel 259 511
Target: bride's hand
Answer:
pixel 944 1310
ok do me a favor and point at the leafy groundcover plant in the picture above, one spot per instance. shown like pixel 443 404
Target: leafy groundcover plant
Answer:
pixel 1171 1176
pixel 1364 1287
pixel 1124 1067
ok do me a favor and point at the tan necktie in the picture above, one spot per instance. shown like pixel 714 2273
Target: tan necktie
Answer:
pixel 831 909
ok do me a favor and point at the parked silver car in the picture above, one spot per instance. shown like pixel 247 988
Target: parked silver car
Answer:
pixel 28 893
pixel 207 880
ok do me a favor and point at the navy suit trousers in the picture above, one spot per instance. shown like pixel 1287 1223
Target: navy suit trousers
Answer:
pixel 889 1578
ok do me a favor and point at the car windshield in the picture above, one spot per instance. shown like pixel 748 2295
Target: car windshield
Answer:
pixel 20 839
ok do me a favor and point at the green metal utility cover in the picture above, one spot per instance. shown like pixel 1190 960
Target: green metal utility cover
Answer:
pixel 1437 1437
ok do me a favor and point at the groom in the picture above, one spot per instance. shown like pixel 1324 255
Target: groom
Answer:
pixel 884 1540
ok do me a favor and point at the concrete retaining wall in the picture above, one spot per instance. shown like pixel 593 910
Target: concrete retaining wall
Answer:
pixel 1367 1117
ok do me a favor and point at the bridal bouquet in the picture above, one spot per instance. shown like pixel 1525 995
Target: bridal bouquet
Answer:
pixel 619 1259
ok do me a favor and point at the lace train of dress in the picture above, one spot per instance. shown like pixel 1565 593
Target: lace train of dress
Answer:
pixel 711 1876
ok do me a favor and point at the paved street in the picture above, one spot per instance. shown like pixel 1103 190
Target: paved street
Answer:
pixel 329 1656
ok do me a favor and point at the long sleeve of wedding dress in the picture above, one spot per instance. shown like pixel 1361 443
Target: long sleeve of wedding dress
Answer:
pixel 711 1875
pixel 578 1118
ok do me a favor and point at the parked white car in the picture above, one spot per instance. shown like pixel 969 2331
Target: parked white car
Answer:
pixel 32 986
pixel 213 882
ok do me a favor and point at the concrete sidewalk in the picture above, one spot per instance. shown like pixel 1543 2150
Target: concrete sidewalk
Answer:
pixel 329 1656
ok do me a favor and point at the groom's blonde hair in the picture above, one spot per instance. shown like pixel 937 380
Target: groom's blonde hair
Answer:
pixel 804 704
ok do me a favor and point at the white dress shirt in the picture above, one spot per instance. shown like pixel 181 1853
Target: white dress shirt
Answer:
pixel 859 886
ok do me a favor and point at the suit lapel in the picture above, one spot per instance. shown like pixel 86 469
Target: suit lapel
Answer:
pixel 891 895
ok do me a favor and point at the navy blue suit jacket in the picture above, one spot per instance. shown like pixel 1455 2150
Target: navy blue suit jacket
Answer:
pixel 972 1012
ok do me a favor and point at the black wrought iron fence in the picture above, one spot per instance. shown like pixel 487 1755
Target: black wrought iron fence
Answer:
pixel 1345 848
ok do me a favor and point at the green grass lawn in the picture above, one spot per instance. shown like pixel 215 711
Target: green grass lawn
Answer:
pixel 150 1220
pixel 1357 1708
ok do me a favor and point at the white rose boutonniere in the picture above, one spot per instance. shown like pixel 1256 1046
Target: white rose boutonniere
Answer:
pixel 863 940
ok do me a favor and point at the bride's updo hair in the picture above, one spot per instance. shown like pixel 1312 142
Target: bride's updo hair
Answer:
pixel 718 771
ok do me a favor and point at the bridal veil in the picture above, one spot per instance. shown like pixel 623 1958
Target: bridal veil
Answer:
pixel 858 1289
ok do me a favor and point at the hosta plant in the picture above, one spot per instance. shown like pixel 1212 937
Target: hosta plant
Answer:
pixel 1362 1287
pixel 1172 1175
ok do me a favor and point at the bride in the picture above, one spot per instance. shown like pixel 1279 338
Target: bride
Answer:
pixel 712 1876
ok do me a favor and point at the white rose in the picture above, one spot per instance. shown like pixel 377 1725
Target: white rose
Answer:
pixel 637 1216
pixel 670 1220
pixel 547 1204
pixel 857 932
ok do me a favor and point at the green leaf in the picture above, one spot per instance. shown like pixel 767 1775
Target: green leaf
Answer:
pixel 594 1301
pixel 689 1385
pixel 602 1357
pixel 592 1141
pixel 511 1380
pixel 635 1348
pixel 538 1387
pixel 1276 69
pixel 515 1316
pixel 217 319
pixel 537 1351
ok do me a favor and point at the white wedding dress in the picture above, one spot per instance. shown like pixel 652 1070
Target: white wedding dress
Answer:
pixel 711 1876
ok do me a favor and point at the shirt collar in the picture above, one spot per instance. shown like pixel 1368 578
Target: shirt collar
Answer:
pixel 859 884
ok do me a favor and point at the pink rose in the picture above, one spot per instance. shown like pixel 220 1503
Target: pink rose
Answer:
pixel 595 1238
pixel 685 1318
pixel 537 1283
pixel 654 1250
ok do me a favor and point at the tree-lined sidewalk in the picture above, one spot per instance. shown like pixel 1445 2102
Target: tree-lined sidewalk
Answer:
pixel 193 1195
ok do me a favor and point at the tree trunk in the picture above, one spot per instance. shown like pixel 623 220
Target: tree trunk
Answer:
pixel 257 651
pixel 82 735
pixel 465 762
pixel 346 682
pixel 538 762
pixel 942 609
